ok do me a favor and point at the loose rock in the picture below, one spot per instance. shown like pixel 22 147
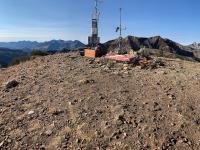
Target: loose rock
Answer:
pixel 11 84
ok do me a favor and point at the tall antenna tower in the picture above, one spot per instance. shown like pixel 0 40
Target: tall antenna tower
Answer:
pixel 94 40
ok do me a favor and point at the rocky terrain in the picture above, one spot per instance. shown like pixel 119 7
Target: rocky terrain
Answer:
pixel 66 101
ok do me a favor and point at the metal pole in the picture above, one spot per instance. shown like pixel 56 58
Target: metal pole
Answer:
pixel 96 9
pixel 120 22
pixel 120 29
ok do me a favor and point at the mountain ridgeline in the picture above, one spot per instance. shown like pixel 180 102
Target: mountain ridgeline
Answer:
pixel 53 45
pixel 156 45
pixel 195 45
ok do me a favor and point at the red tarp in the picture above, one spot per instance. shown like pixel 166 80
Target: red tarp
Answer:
pixel 120 57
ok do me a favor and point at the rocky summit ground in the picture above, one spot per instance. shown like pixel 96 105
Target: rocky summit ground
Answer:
pixel 66 101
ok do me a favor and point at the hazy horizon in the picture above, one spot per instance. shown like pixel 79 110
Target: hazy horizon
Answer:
pixel 46 20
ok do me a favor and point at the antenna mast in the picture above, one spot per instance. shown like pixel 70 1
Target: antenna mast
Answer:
pixel 119 28
pixel 94 40
pixel 96 9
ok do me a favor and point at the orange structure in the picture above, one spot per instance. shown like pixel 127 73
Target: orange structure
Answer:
pixel 91 53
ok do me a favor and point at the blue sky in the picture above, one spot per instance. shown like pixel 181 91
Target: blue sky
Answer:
pixel 43 20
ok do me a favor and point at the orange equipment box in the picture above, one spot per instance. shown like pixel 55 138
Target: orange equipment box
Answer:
pixel 91 53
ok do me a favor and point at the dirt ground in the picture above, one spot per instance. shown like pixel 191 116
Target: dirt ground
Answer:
pixel 66 101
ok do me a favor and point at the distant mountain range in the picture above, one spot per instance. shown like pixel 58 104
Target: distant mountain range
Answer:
pixel 11 50
pixel 60 45
pixel 53 45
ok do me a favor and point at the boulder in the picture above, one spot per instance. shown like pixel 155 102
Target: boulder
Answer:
pixel 11 84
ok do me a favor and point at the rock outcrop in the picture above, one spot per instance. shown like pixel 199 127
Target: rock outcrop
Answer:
pixel 156 45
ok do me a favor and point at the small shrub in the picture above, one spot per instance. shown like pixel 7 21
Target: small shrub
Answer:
pixel 32 56
pixel 161 53
pixel 19 60
pixel 144 53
